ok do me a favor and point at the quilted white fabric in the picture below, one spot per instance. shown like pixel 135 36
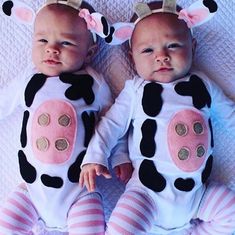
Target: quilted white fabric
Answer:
pixel 215 56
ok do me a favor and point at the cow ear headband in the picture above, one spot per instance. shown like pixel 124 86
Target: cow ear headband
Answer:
pixel 196 14
pixel 24 14
pixel 96 22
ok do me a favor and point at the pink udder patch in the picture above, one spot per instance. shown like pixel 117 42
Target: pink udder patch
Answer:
pixel 54 127
pixel 188 140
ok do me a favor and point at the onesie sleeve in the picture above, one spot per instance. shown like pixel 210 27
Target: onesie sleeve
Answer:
pixel 111 130
pixel 10 97
pixel 222 107
pixel 119 154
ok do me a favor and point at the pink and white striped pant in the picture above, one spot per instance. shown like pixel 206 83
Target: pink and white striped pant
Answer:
pixel 134 213
pixel 18 216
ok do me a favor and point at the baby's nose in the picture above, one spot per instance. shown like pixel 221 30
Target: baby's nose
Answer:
pixel 162 58
pixel 52 49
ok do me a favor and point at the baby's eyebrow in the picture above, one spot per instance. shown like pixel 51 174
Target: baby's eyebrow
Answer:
pixel 39 33
pixel 69 35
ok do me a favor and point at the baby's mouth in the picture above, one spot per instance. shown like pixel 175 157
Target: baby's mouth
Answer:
pixel 164 69
pixel 51 62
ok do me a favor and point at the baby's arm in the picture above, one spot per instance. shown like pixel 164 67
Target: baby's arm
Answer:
pixel 89 173
pixel 110 140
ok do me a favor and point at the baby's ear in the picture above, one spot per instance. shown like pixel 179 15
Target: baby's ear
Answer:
pixel 130 55
pixel 194 45
pixel 198 13
pixel 91 53
pixel 18 11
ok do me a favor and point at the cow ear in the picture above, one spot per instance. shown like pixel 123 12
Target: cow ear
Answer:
pixel 198 13
pixel 96 22
pixel 114 34
pixel 122 32
pixel 18 11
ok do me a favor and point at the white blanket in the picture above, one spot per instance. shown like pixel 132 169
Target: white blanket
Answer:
pixel 215 56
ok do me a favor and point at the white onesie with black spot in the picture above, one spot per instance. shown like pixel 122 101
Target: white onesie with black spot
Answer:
pixel 60 114
pixel 170 141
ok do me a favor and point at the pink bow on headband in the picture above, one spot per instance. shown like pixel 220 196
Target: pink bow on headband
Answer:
pixel 94 22
pixel 195 17
pixel 85 14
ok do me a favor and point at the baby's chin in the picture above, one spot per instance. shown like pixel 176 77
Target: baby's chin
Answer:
pixel 51 73
pixel 48 72
pixel 54 71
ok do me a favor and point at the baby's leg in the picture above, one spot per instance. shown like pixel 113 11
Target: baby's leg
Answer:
pixel 87 216
pixel 133 214
pixel 217 212
pixel 18 215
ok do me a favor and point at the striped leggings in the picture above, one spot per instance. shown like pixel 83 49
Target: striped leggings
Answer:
pixel 18 216
pixel 134 213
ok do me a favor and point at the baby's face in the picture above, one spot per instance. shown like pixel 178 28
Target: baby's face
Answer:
pixel 61 41
pixel 162 48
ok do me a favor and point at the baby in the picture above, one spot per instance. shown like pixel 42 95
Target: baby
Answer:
pixel 63 98
pixel 167 109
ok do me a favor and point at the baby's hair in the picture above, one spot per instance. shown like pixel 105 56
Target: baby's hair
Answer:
pixel 153 5
pixel 83 5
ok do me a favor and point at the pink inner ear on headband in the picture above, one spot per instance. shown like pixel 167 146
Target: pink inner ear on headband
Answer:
pixel 24 14
pixel 201 14
pixel 124 33
pixel 194 17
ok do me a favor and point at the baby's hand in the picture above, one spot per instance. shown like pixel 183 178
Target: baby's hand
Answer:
pixel 124 172
pixel 89 173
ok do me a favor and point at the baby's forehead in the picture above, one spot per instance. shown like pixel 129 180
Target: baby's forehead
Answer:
pixel 163 21
pixel 160 26
pixel 59 13
pixel 57 9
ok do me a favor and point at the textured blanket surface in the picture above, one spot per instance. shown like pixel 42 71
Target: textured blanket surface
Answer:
pixel 215 56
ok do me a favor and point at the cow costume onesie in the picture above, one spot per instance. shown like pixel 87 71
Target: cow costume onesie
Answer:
pixel 59 117
pixel 170 145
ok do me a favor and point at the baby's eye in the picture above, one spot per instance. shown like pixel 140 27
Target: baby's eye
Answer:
pixel 174 45
pixel 43 40
pixel 147 50
pixel 66 43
